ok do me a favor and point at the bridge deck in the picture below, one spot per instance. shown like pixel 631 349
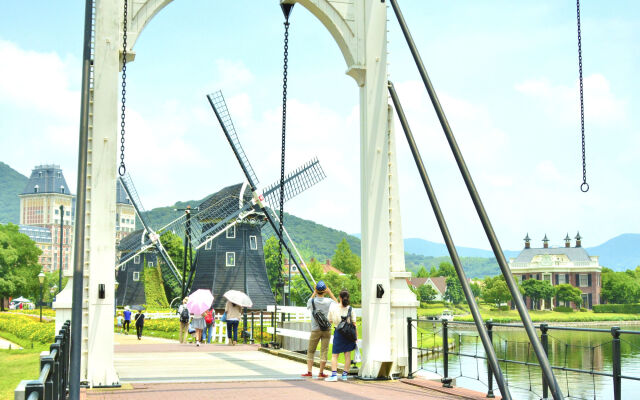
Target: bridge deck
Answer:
pixel 161 369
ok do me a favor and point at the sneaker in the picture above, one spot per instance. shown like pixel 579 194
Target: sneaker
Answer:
pixel 344 377
pixel 307 375
pixel 198 344
pixel 332 378
pixel 322 375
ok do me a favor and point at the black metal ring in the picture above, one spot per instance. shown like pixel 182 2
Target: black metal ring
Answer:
pixel 584 187
pixel 122 169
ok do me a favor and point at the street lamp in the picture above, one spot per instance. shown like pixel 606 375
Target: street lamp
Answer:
pixel 115 296
pixel 41 280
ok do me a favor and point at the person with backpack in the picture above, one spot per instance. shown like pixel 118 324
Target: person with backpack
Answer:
pixel 139 324
pixel 209 319
pixel 320 327
pixel 183 313
pixel 345 335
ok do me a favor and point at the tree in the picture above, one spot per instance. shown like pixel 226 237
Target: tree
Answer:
pixel 475 289
pixel 175 248
pixel 433 271
pixel 422 272
pixel 316 269
pixel 446 269
pixel 274 266
pixel 344 259
pixel 426 293
pixel 537 290
pixel 567 292
pixel 454 292
pixel 618 288
pixel 496 291
pixel 19 266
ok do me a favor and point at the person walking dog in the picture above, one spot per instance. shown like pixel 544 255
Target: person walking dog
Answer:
pixel 345 335
pixel 320 327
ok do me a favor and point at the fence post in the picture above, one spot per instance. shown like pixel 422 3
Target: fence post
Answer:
pixel 490 394
pixel 55 374
pixel 273 325
pixel 544 340
pixel 615 345
pixel 261 327
pixel 446 381
pixel 252 337
pixel 409 348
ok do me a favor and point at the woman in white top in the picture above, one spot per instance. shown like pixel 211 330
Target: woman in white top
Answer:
pixel 341 344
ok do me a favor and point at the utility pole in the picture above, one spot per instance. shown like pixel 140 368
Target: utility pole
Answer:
pixel 187 245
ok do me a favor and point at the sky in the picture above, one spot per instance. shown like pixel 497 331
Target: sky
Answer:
pixel 506 74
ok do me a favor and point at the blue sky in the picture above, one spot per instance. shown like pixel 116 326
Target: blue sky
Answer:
pixel 506 73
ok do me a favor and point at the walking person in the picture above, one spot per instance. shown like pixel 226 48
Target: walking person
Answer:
pixel 342 315
pixel 183 314
pixel 127 320
pixel 139 320
pixel 209 319
pixel 234 312
pixel 320 327
pixel 198 324
pixel 120 321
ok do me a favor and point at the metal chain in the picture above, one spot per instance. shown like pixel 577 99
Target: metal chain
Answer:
pixel 122 168
pixel 584 186
pixel 284 130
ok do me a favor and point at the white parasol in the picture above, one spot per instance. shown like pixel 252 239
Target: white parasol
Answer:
pixel 238 297
pixel 200 301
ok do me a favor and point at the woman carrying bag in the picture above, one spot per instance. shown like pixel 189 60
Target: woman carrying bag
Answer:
pixel 344 336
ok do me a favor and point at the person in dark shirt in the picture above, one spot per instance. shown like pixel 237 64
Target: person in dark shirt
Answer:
pixel 127 320
pixel 139 324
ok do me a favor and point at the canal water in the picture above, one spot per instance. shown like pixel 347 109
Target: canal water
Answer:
pixel 577 350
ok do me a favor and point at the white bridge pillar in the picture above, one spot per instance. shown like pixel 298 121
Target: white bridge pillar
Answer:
pixel 359 27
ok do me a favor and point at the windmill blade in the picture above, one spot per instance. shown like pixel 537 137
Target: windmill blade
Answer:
pixel 222 113
pixel 295 183
pixel 132 193
pixel 224 223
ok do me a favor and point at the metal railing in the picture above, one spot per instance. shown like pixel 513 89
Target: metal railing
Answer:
pixel 53 382
pixel 615 332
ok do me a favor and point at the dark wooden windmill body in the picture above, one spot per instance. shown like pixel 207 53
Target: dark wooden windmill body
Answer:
pixel 130 274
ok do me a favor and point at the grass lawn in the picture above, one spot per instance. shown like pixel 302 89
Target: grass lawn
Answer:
pixel 17 365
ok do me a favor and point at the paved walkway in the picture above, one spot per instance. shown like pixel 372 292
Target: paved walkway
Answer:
pixel 5 344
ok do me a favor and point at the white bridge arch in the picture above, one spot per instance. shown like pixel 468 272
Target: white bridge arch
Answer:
pixel 359 28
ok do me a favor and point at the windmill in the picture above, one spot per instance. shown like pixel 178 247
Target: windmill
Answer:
pixel 137 249
pixel 249 210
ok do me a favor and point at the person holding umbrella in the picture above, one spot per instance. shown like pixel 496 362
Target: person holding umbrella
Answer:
pixel 233 310
pixel 199 302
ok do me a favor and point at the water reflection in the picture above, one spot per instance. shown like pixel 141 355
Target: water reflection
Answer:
pixel 567 349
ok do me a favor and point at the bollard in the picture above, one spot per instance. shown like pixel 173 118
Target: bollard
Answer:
pixel 615 355
pixel 544 340
pixel 490 394
pixel 409 349
pixel 446 381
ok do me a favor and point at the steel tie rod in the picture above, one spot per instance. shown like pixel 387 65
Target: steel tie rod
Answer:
pixel 547 372
pixel 466 288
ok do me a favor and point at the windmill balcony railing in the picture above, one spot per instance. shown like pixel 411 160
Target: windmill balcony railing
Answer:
pixel 444 345
pixel 53 382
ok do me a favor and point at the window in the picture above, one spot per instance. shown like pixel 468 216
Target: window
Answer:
pixel 584 280
pixel 231 259
pixel 207 246
pixel 253 242
pixel 150 264
pixel 231 232
pixel 61 189
pixel 519 279
pixel 136 276
pixel 35 189
pixel 562 279
pixel 57 211
pixel 585 301
pixel 124 267
pixel 136 259
pixel 67 213
pixel 547 277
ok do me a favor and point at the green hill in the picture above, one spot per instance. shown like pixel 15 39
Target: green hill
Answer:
pixel 11 184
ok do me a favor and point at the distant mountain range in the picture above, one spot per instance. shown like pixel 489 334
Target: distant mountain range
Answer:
pixel 315 240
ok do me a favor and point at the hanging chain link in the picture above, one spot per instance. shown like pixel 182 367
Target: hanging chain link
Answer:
pixel 584 186
pixel 122 168
pixel 284 130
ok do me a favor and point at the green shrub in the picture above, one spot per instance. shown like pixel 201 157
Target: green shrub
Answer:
pixel 563 309
pixel 617 308
pixel 582 309
pixel 28 328
pixel 154 288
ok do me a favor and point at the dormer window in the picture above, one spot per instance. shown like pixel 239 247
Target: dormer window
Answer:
pixel 40 174
pixel 59 174
pixel 231 232
pixel 35 189
pixel 61 189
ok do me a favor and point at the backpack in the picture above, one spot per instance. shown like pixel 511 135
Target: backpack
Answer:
pixel 208 317
pixel 320 318
pixel 184 315
pixel 348 329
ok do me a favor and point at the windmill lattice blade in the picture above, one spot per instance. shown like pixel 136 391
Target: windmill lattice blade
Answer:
pixel 295 183
pixel 222 112
pixel 127 182
pixel 168 261
pixel 213 227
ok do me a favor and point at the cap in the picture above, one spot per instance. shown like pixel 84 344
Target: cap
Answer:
pixel 321 286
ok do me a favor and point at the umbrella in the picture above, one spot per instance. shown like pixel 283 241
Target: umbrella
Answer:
pixel 200 301
pixel 239 298
pixel 137 307
pixel 21 300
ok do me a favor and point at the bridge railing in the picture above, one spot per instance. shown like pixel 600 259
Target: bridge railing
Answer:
pixel 53 381
pixel 438 343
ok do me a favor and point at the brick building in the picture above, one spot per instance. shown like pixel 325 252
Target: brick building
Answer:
pixel 559 265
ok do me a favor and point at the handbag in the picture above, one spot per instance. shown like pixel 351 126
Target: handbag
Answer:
pixel 224 317
pixel 320 318
pixel 348 329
